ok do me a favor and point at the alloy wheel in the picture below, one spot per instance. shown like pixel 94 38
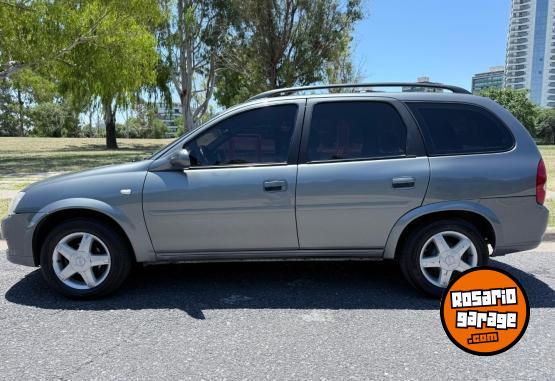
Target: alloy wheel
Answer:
pixel 81 261
pixel 445 254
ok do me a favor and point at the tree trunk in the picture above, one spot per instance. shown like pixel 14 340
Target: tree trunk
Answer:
pixel 21 122
pixel 110 123
pixel 183 110
pixel 188 119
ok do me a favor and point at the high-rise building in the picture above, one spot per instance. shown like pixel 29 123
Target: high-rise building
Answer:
pixel 492 79
pixel 530 61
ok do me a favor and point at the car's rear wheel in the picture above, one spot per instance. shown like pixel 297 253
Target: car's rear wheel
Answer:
pixel 433 254
pixel 85 259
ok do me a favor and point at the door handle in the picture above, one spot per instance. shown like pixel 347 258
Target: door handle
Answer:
pixel 403 182
pixel 275 185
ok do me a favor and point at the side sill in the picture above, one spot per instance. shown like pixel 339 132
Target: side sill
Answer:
pixel 271 255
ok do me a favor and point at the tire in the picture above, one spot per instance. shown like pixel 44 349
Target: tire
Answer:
pixel 418 261
pixel 109 259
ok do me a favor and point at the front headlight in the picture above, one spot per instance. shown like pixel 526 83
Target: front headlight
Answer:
pixel 14 203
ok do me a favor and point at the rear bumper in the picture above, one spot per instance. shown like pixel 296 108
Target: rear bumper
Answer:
pixel 522 221
pixel 18 231
pixel 516 248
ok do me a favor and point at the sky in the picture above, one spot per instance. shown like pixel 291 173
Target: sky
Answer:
pixel 446 40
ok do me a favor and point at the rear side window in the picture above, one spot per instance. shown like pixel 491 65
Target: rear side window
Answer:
pixel 355 130
pixel 451 129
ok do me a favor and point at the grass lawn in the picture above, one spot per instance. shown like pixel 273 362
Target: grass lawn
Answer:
pixel 548 154
pixel 19 156
pixel 4 203
pixel 25 160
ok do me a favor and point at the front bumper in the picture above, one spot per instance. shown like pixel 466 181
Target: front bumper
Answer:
pixel 18 231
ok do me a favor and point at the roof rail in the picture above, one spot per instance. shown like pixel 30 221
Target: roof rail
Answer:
pixel 291 90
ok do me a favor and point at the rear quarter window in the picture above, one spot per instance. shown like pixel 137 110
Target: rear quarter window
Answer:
pixel 457 129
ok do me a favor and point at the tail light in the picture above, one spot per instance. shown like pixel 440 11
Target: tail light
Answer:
pixel 541 183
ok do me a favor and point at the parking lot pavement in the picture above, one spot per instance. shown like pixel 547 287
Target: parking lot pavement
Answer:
pixel 312 320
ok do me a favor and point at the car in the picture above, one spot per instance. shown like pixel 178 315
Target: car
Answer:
pixel 432 177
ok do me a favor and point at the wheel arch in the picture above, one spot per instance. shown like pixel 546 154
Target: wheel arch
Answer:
pixel 49 220
pixel 483 218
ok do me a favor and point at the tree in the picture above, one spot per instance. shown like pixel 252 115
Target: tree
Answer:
pixel 54 120
pixel 121 61
pixel 29 87
pixel 93 49
pixel 39 34
pixel 517 102
pixel 283 43
pixel 9 123
pixel 190 43
pixel 545 125
pixel 145 124
pixel 19 93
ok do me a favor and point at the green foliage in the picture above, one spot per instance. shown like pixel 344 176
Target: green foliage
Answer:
pixel 340 68
pixel 9 122
pixel 123 56
pixel 517 102
pixel 545 125
pixel 44 34
pixel 36 87
pixel 92 49
pixel 180 123
pixel 92 131
pixel 34 35
pixel 54 120
pixel 19 93
pixel 285 43
pixel 145 125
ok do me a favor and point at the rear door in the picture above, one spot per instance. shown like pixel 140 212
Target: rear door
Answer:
pixel 362 166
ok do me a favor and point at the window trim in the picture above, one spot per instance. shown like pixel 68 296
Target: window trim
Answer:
pixel 468 104
pixel 361 159
pixel 414 143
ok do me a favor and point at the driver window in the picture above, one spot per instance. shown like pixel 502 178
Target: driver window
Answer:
pixel 253 137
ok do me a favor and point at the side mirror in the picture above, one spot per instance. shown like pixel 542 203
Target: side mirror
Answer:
pixel 180 159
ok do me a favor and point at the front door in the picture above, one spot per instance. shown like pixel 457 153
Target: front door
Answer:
pixel 239 193
pixel 362 167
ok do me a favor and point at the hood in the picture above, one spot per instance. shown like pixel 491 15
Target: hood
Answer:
pixel 139 166
pixel 101 184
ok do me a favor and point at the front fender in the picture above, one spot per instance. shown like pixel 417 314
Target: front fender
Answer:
pixel 130 219
pixel 445 206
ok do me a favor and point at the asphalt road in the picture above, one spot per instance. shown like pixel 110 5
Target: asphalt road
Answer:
pixel 261 321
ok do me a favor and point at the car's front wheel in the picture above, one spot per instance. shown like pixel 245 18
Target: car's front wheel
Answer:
pixel 435 253
pixel 84 259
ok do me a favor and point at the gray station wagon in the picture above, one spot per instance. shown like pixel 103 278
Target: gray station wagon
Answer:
pixel 437 181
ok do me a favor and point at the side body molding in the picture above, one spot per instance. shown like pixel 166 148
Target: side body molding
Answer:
pixel 132 225
pixel 444 206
